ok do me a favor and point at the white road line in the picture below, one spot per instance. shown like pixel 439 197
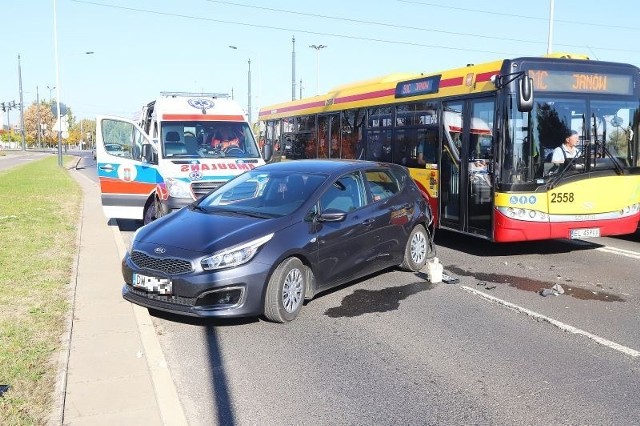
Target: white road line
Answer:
pixel 560 325
pixel 622 252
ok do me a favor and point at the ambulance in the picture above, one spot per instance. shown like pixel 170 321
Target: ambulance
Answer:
pixel 181 147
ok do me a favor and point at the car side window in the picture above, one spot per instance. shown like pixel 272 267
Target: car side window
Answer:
pixel 382 184
pixel 345 194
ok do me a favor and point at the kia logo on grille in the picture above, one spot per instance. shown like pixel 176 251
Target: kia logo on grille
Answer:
pixel 160 250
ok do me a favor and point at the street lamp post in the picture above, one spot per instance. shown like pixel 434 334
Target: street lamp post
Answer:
pixel 24 146
pixel 317 47
pixel 51 89
pixel 55 45
pixel 249 107
pixel 39 129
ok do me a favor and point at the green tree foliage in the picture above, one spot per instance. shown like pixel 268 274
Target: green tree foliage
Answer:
pixel 82 130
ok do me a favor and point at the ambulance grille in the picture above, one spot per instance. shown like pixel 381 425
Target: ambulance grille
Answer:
pixel 167 265
pixel 203 188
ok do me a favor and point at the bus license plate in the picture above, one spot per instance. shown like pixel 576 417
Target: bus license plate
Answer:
pixel 585 233
pixel 152 284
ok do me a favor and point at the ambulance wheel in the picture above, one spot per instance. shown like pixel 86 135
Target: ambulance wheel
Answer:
pixel 151 212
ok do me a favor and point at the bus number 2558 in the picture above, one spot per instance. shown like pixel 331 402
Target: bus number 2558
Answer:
pixel 562 197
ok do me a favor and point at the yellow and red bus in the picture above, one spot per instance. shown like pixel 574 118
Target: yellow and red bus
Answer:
pixel 478 141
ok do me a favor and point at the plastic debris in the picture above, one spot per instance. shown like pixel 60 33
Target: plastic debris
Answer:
pixel 3 389
pixel 448 279
pixel 434 270
pixel 555 290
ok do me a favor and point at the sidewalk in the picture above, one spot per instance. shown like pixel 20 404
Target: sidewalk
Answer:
pixel 111 368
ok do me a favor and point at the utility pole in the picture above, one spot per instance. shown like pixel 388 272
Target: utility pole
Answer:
pixel 39 130
pixel 249 92
pixel 293 69
pixel 24 145
pixel 550 37
pixel 317 47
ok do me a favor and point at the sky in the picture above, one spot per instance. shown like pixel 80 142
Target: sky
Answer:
pixel 143 47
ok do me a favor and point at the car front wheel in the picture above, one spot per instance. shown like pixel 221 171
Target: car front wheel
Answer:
pixel 416 250
pixel 285 292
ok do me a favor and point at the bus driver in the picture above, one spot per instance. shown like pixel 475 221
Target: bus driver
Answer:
pixel 568 148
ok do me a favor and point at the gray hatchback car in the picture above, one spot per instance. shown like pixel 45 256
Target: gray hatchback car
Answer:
pixel 276 235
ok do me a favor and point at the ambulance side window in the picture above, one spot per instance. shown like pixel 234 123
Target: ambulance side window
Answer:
pixel 120 138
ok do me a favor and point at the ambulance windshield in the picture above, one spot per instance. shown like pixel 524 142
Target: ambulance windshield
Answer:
pixel 208 139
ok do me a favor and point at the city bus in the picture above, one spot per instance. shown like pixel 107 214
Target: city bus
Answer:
pixel 478 140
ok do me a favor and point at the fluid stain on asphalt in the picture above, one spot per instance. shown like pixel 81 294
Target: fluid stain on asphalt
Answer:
pixel 362 302
pixel 529 284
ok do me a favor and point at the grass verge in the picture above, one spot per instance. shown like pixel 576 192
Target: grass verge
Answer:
pixel 39 212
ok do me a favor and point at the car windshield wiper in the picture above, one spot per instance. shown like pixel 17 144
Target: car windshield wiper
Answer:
pixel 258 215
pixel 198 208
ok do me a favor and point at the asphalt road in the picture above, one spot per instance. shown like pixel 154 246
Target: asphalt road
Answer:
pixel 395 349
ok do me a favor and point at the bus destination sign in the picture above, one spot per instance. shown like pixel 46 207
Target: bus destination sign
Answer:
pixel 419 86
pixel 584 82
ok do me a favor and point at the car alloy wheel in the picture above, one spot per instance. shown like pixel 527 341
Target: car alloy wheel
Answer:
pixel 285 292
pixel 415 252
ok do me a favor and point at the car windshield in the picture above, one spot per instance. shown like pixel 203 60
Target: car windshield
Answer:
pixel 263 194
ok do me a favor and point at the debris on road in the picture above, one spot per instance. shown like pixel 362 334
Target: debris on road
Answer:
pixel 556 290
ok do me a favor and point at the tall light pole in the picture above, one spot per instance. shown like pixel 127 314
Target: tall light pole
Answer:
pixel 39 130
pixel 317 47
pixel 293 69
pixel 24 146
pixel 51 89
pixel 55 45
pixel 249 106
pixel 550 36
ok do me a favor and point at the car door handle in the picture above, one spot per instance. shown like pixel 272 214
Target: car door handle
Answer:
pixel 107 167
pixel 368 222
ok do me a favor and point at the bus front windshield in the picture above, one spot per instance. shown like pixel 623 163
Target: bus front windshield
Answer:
pixel 208 139
pixel 606 129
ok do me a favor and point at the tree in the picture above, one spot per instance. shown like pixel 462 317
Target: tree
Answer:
pixel 48 136
pixel 84 130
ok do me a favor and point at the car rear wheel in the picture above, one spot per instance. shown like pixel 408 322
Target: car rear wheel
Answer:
pixel 416 250
pixel 285 291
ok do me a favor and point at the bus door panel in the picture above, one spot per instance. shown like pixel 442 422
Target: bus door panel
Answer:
pixel 125 180
pixel 479 160
pixel 450 170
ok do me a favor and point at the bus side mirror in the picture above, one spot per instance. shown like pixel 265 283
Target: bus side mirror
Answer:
pixel 148 154
pixel 525 93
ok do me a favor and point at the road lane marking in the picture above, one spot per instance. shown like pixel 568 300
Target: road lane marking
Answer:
pixel 622 252
pixel 559 324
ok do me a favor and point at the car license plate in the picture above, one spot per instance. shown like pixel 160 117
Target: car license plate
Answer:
pixel 153 284
pixel 585 233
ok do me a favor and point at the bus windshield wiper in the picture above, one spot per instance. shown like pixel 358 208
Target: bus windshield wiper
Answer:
pixel 605 149
pixel 568 164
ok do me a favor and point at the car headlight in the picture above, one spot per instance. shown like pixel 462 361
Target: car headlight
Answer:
pixel 178 188
pixel 234 256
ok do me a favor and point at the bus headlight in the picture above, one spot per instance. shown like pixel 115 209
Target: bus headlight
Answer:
pixel 520 213
pixel 178 189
